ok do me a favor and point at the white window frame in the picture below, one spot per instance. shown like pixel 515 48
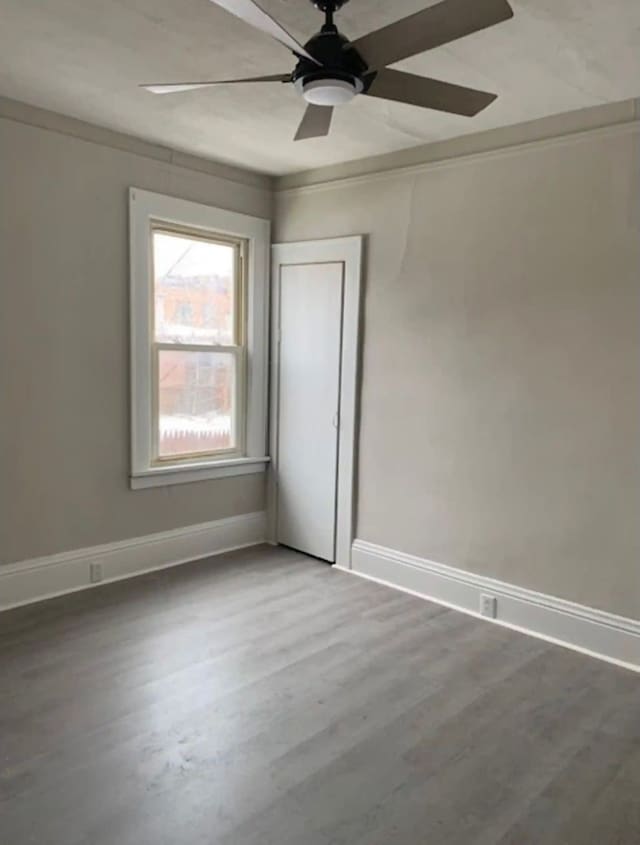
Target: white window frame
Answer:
pixel 148 210
pixel 237 349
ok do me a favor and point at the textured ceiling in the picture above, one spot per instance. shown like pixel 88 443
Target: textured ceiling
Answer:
pixel 84 58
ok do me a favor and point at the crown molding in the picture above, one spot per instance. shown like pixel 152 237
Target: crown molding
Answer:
pixel 614 119
pixel 51 121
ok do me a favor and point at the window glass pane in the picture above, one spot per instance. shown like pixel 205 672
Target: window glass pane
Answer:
pixel 193 290
pixel 196 398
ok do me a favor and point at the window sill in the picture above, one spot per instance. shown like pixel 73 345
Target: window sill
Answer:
pixel 162 476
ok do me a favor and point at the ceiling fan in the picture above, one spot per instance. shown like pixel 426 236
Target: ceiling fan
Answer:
pixel 332 70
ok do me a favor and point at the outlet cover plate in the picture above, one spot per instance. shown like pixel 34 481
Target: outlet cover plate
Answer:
pixel 488 605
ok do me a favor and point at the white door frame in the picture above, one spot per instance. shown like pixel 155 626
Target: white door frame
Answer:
pixel 347 251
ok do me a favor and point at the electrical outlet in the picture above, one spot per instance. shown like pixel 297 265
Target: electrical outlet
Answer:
pixel 95 573
pixel 488 606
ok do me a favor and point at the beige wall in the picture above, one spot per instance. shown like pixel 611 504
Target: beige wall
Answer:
pixel 500 406
pixel 64 427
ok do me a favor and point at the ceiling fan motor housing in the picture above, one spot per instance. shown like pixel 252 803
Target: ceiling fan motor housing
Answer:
pixel 342 72
pixel 329 5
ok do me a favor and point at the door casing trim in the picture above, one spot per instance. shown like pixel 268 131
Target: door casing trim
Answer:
pixel 348 251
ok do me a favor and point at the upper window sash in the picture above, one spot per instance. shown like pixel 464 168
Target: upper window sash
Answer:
pixel 239 247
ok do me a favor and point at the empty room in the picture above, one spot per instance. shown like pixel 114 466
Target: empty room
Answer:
pixel 320 422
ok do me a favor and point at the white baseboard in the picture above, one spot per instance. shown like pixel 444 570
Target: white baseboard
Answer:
pixel 585 629
pixel 39 578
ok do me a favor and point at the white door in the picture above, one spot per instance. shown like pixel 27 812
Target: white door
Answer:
pixel 310 333
pixel 315 295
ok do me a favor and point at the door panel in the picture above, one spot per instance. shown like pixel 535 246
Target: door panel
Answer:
pixel 310 323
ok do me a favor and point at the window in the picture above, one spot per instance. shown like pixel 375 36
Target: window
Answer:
pixel 198 333
pixel 199 288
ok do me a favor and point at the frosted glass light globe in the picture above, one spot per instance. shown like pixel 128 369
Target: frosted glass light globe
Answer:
pixel 329 92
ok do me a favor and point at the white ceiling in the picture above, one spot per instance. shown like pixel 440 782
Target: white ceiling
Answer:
pixel 84 58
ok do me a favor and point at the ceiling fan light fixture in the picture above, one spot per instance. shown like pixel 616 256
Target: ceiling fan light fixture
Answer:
pixel 330 92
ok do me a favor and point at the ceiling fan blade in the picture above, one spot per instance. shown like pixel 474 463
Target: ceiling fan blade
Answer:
pixel 250 12
pixel 439 24
pixel 428 93
pixel 177 87
pixel 315 122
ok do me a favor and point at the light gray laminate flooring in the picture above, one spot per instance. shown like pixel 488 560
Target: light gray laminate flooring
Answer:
pixel 263 698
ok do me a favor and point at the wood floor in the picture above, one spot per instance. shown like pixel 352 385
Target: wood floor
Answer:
pixel 262 698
